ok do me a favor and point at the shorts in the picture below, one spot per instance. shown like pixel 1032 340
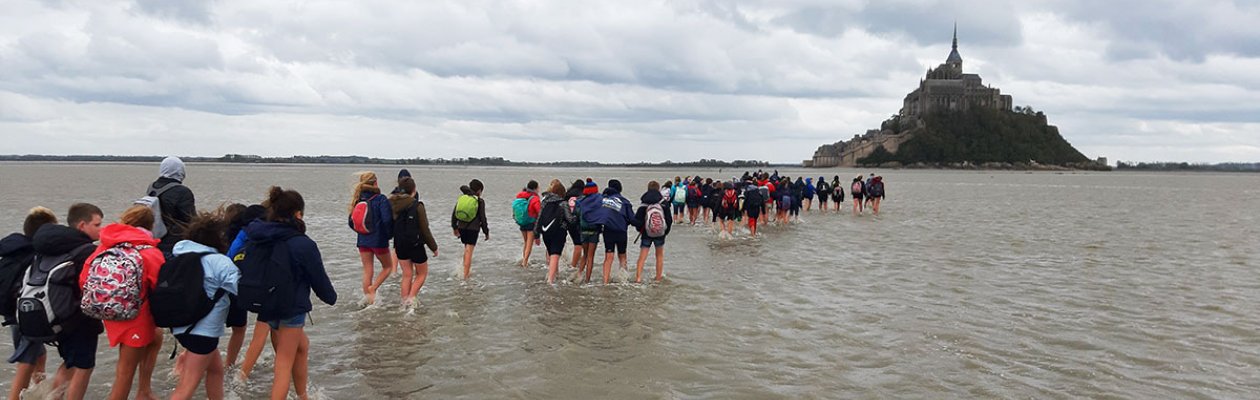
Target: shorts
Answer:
pixel 576 235
pixel 693 205
pixel 414 254
pixel 727 216
pixel 857 197
pixel 136 336
pixel 649 242
pixel 554 240
pixel 591 235
pixel 237 317
pixel 468 237
pixel 614 240
pixel 25 351
pixel 297 321
pixel 198 344
pixel 78 351
pixel 527 227
pixel 822 198
pixel 678 207
pixel 380 251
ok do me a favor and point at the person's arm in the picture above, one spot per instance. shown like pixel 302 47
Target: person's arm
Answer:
pixel 228 274
pixel 385 224
pixel 153 260
pixel 305 253
pixel 454 220
pixel 237 245
pixel 640 215
pixel 425 235
pixel 628 212
pixel 186 204
pixel 538 225
pixel 481 215
pixel 535 207
pixel 669 218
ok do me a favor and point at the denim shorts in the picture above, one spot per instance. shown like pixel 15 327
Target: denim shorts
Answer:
pixel 649 242
pixel 297 321
pixel 25 351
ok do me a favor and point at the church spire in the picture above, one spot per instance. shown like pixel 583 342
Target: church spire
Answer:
pixel 955 59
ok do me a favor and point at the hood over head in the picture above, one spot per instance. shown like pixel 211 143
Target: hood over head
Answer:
pixel 188 246
pixel 614 184
pixel 116 233
pixel 173 168
pixel 53 239
pixel 14 243
pixel 270 231
pixel 525 194
pixel 548 197
pixel 466 190
pixel 652 197
pixel 400 201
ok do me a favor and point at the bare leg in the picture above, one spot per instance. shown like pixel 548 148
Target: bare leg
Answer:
pixel 577 255
pixel 608 259
pixel 21 379
pixel 195 366
pixel 387 268
pixel 365 257
pixel 128 360
pixel 80 378
pixel 301 366
pixel 417 281
pixel 588 262
pixel 214 377
pixel 638 266
pixel 468 253
pixel 234 344
pixel 408 270
pixel 145 388
pixel 660 263
pixel 285 341
pixel 528 237
pixel 553 266
pixel 261 331
pixel 875 205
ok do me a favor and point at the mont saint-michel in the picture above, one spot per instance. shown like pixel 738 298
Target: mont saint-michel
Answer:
pixel 953 119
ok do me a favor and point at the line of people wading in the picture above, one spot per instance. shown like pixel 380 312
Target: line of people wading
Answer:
pixel 164 265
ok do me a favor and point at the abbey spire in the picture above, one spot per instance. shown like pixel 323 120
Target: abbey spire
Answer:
pixel 954 59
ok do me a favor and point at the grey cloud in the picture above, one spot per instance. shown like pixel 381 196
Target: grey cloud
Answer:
pixel 1182 30
pixel 197 11
pixel 987 23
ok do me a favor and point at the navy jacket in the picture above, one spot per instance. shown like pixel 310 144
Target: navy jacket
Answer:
pixel 383 227
pixel 308 266
pixel 621 215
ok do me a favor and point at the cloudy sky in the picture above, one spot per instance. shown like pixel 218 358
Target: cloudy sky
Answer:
pixel 608 81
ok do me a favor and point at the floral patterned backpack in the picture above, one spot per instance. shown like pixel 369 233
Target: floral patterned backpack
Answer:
pixel 112 290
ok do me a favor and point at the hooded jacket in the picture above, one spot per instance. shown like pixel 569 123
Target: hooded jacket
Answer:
pixel 17 252
pixel 152 260
pixel 621 216
pixel 178 204
pixel 383 226
pixel 554 215
pixel 649 198
pixel 304 258
pixel 54 240
pixel 409 210
pixel 479 222
pixel 220 273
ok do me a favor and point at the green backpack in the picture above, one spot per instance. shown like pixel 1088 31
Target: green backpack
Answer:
pixel 520 211
pixel 466 208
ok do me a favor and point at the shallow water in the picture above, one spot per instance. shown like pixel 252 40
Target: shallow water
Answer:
pixel 970 285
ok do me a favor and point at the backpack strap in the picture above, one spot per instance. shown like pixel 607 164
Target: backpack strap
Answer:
pixel 158 192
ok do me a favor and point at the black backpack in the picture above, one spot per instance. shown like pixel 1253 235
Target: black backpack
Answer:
pixel 267 285
pixel 407 226
pixel 50 295
pixel 12 269
pixel 179 299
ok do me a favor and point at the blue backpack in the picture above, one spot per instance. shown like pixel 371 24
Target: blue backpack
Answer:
pixel 520 211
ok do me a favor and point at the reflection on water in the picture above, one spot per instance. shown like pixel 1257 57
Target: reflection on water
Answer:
pixel 971 285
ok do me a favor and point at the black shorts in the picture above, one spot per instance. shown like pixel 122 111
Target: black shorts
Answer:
pixel 576 235
pixel 691 205
pixel 554 240
pixel 822 198
pixel 527 227
pixel 78 350
pixel 614 240
pixel 237 316
pixel 468 237
pixel 414 254
pixel 198 344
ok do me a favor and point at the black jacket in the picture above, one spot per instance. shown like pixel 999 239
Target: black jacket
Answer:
pixel 53 240
pixel 178 209
pixel 16 254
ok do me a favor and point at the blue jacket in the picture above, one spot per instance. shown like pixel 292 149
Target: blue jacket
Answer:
pixel 383 229
pixel 307 265
pixel 621 212
pixel 220 273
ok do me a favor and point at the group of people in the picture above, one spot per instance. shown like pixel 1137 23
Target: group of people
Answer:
pixel 164 265
pixel 583 215
pixel 161 265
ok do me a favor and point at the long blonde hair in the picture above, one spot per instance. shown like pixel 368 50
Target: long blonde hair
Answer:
pixel 367 179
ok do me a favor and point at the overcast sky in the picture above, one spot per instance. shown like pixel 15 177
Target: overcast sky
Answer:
pixel 609 81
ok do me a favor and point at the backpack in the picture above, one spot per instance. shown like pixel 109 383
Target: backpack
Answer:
pixel 573 213
pixel 407 225
pixel 267 285
pixel 654 221
pixel 838 193
pixel 591 211
pixel 693 193
pixel 466 208
pixel 877 189
pixel 179 299
pixel 856 189
pixel 520 211
pixel 729 200
pixel 13 268
pixel 154 202
pixel 764 191
pixel 680 195
pixel 785 202
pixel 363 217
pixel 112 290
pixel 49 296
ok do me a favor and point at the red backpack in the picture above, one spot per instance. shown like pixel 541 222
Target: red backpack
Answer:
pixel 362 218
pixel 729 200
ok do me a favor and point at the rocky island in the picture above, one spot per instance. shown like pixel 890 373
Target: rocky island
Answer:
pixel 953 120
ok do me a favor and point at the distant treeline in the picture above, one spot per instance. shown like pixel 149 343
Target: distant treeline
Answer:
pixel 981 136
pixel 470 161
pixel 1182 166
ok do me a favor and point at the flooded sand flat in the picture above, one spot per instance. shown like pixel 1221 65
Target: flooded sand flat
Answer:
pixel 970 285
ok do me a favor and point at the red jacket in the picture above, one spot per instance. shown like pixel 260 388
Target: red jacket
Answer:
pixel 111 235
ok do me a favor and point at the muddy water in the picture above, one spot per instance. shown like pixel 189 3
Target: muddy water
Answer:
pixel 970 285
